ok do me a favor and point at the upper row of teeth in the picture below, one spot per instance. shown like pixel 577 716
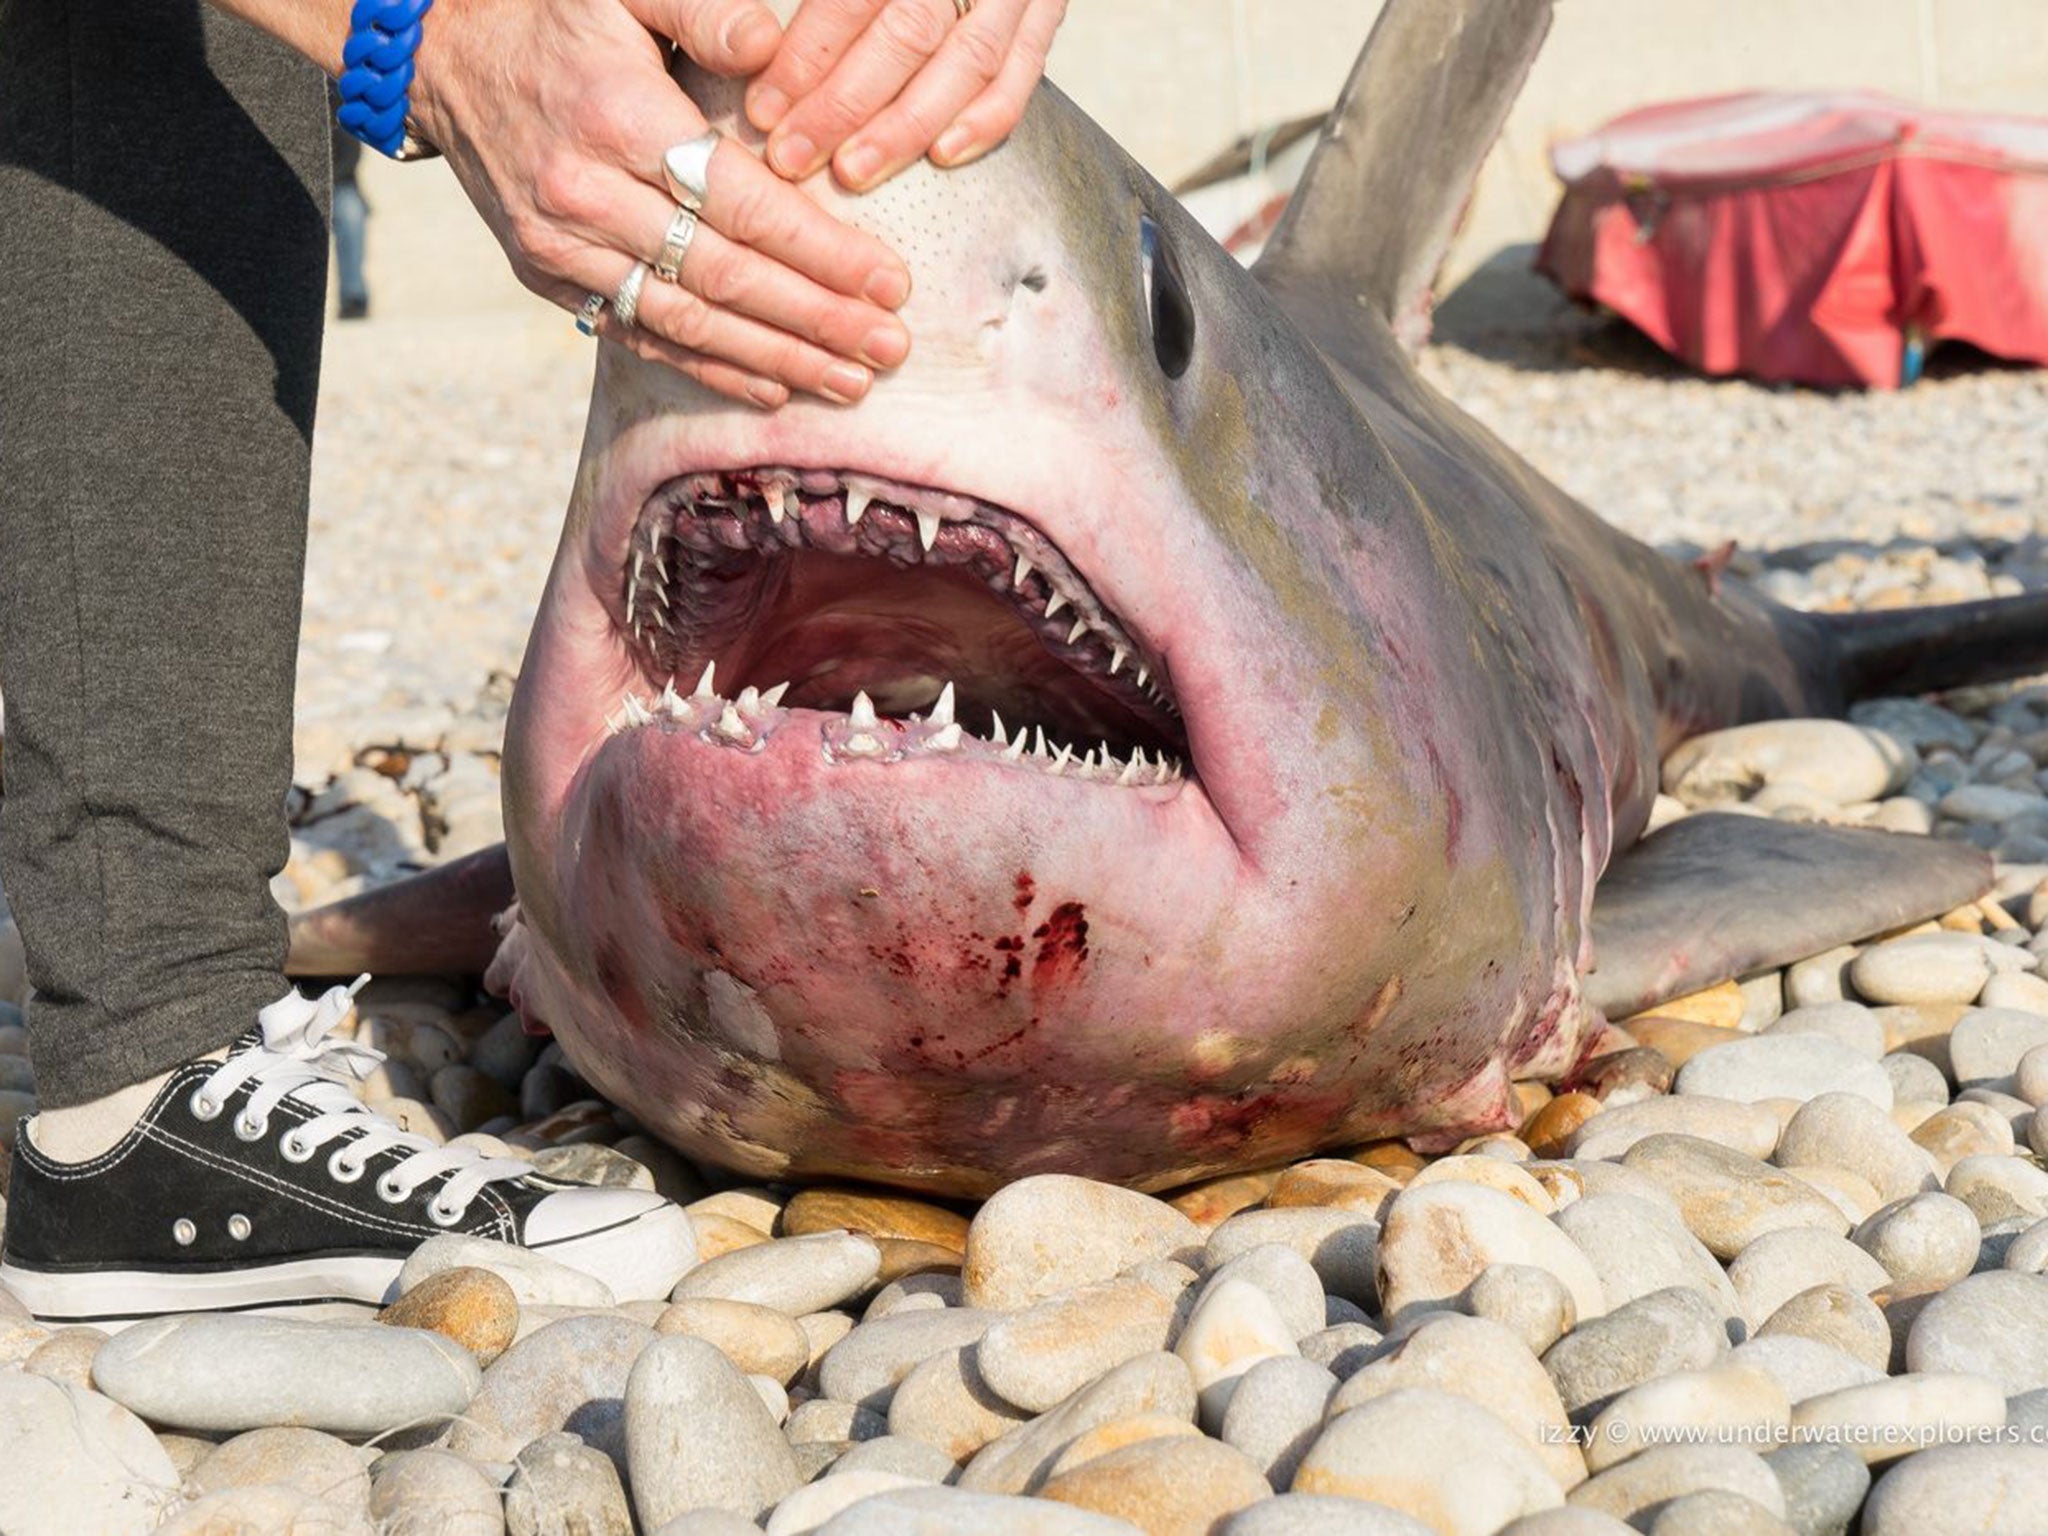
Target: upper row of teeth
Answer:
pixel 858 498
pixel 744 722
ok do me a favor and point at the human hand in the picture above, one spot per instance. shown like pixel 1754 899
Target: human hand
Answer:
pixel 873 84
pixel 554 115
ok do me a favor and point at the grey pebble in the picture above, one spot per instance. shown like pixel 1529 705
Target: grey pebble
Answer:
pixel 796 1275
pixel 1915 1079
pixel 1675 1329
pixel 1823 1484
pixel 1849 1132
pixel 1530 1303
pixel 1276 1413
pixel 1717 1512
pixel 305 1459
pixel 824 1419
pixel 1342 1348
pixel 1341 1246
pixel 561 1487
pixel 1320 1514
pixel 77 1461
pixel 1994 1324
pixel 1637 1247
pixel 948 1512
pixel 698 1435
pixel 347 1378
pixel 569 1375
pixel 1288 1279
pixel 866 1365
pixel 433 1493
pixel 1637 1488
pixel 1846 1023
pixel 1779 1265
pixel 1987 1490
pixel 1930 1239
pixel 900 1455
pixel 1924 968
pixel 1794 1065
pixel 1985 1047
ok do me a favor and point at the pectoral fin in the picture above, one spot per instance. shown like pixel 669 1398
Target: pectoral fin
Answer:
pixel 440 921
pixel 1713 897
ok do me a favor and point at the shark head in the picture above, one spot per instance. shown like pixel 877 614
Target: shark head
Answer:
pixel 1075 756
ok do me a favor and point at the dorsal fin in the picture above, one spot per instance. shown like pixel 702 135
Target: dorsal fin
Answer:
pixel 1380 200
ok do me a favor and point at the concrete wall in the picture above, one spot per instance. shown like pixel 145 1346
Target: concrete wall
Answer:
pixel 1176 80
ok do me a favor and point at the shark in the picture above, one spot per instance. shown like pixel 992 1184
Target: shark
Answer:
pixel 1155 733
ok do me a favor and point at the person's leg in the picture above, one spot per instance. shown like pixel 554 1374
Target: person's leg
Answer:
pixel 351 218
pixel 162 275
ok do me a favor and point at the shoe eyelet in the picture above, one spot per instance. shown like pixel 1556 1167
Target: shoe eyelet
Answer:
pixel 248 1128
pixel 294 1148
pixel 184 1231
pixel 440 1215
pixel 391 1190
pixel 341 1170
pixel 203 1105
pixel 239 1227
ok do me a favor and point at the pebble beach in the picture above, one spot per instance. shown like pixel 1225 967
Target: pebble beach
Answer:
pixel 1775 1261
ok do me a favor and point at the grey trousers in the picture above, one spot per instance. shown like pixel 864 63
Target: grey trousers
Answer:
pixel 163 247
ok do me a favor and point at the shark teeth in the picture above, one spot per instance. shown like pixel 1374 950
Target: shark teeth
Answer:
pixel 862 735
pixel 700 518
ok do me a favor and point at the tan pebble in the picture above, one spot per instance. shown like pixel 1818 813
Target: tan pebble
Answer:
pixel 1720 1006
pixel 1679 1040
pixel 1911 1114
pixel 1530 1097
pixel 1214 1201
pixel 1495 1173
pixel 759 1340
pixel 1852 1194
pixel 1550 1130
pixel 1336 1182
pixel 1623 1077
pixel 1181 1485
pixel 1396 1159
pixel 901 1257
pixel 1963 1130
pixel 717 1234
pixel 66 1356
pixel 824 1329
pixel 474 1307
pixel 1051 1232
pixel 1561 1181
pixel 877 1213
pixel 1132 1429
pixel 756 1208
pixel 1922 1028
pixel 1494 1144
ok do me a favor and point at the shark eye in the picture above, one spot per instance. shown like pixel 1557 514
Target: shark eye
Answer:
pixel 1173 317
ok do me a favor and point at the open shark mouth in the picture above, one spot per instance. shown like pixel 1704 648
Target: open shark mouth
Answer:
pixel 901 621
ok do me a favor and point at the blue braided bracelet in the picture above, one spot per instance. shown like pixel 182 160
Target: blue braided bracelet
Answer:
pixel 377 71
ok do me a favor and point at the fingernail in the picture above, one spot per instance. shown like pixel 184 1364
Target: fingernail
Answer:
pixel 858 165
pixel 952 144
pixel 792 155
pixel 886 346
pixel 750 35
pixel 846 383
pixel 888 287
pixel 766 106
pixel 766 394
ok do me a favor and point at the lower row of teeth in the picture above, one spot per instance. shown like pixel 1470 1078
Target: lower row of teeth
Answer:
pixel 744 723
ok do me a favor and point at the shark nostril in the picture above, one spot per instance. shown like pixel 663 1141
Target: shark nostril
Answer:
pixel 1034 280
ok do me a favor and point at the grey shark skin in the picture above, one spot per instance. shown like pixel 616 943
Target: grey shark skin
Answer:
pixel 1419 694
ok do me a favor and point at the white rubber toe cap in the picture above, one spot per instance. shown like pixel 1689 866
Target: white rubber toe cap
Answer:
pixel 632 1239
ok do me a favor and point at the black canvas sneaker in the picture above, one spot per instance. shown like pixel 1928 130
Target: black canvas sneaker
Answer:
pixel 261 1183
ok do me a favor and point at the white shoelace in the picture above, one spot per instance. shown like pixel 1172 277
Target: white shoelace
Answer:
pixel 297 1060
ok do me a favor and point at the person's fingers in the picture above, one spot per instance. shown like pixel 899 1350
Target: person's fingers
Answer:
pixel 750 204
pixel 881 61
pixel 713 373
pixel 817 39
pixel 733 276
pixel 987 120
pixel 727 37
pixel 967 63
pixel 681 316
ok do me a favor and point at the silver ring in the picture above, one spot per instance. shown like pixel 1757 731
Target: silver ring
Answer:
pixel 963 7
pixel 587 316
pixel 626 302
pixel 686 167
pixel 675 245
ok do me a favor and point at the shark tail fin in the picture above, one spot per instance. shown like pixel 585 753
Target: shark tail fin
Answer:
pixel 1382 195
pixel 1916 650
